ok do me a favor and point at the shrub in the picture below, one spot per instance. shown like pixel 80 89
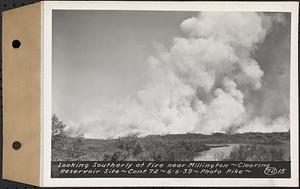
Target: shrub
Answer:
pixel 76 149
pixel 119 156
pixel 130 144
pixel 255 153
pixel 58 136
pixel 163 149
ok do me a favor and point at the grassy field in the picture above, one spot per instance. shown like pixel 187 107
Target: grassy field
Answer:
pixel 174 147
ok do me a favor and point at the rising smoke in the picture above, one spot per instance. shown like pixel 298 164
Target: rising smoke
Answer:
pixel 199 85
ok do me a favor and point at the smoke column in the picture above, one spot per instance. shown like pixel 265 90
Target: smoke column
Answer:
pixel 199 85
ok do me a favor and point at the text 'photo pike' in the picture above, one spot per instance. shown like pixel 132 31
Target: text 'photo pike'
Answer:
pixel 170 86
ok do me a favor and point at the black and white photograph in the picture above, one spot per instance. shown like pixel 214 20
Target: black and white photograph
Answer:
pixel 150 94
pixel 170 86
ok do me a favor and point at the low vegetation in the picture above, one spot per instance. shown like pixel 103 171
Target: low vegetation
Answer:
pixel 160 148
pixel 65 148
pixel 255 153
pixel 173 147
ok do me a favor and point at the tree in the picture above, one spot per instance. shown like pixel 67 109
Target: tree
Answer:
pixel 58 138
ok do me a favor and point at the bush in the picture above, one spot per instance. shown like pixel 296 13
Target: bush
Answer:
pixel 162 149
pixel 63 147
pixel 130 144
pixel 58 136
pixel 255 153
pixel 76 149
pixel 158 148
pixel 119 156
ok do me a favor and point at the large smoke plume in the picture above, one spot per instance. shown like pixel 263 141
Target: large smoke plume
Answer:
pixel 201 84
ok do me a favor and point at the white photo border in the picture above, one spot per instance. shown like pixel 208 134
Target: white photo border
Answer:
pixel 46 90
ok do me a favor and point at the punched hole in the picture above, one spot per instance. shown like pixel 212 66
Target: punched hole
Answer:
pixel 16 145
pixel 16 44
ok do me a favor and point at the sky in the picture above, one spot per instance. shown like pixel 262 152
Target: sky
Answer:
pixel 116 73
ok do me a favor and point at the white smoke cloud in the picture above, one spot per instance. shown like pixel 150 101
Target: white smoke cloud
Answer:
pixel 264 124
pixel 196 85
pixel 223 112
pixel 244 29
